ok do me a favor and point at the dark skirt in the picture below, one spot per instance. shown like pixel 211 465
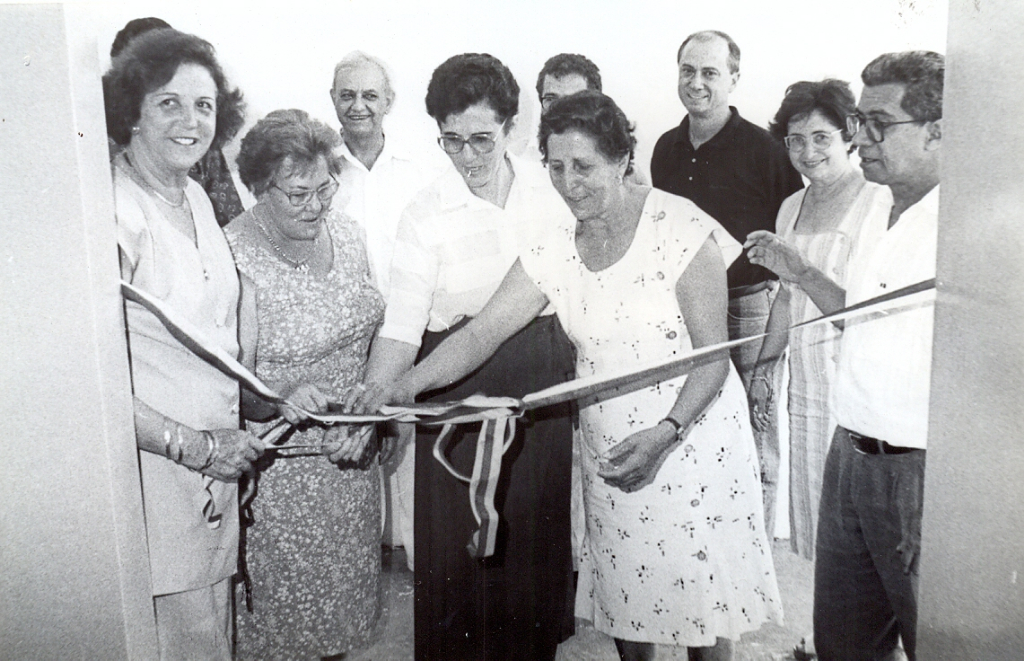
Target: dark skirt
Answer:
pixel 518 603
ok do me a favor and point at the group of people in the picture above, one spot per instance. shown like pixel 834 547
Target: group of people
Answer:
pixel 361 277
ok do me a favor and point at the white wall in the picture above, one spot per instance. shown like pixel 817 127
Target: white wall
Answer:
pixel 282 54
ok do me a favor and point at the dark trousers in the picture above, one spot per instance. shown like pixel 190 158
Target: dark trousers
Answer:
pixel 869 538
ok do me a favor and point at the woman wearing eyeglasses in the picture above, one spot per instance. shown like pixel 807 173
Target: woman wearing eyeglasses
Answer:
pixel 313 547
pixel 456 240
pixel 820 222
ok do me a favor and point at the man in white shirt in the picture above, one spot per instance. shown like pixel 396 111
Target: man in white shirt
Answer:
pixel 377 181
pixel 869 524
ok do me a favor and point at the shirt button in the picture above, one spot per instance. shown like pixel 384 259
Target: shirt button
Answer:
pixel 661 276
pixel 671 335
pixel 690 178
pixel 694 502
pixel 234 409
pixel 693 160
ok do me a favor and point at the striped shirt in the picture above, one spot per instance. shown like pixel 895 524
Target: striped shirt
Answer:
pixel 453 249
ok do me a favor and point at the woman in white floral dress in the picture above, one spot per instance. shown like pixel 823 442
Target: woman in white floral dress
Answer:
pixel 675 551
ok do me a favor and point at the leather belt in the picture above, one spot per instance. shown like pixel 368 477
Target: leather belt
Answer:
pixel 747 290
pixel 868 445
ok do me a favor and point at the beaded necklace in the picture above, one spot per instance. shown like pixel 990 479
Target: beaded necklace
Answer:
pixel 302 266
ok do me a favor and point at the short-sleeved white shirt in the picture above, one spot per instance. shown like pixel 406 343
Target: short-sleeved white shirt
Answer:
pixel 884 372
pixel 453 249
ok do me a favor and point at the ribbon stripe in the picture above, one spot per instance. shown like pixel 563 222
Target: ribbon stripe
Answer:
pixel 497 414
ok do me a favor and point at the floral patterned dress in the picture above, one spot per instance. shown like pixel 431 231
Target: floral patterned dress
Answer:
pixel 684 559
pixel 313 550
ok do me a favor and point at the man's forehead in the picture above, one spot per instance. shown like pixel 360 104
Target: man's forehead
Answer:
pixel 366 71
pixel 571 79
pixel 705 52
pixel 882 100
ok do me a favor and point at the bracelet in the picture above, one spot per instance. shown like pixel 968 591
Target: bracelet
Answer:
pixel 167 442
pixel 211 449
pixel 675 423
pixel 767 384
pixel 179 454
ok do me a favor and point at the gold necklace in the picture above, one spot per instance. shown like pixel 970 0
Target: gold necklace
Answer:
pixel 137 176
pixel 302 266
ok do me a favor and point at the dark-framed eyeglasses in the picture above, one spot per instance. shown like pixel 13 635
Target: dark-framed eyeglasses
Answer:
pixel 301 199
pixel 819 140
pixel 482 143
pixel 874 128
pixel 548 99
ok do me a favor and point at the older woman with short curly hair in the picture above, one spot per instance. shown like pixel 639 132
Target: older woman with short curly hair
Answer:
pixel 313 548
pixel 675 552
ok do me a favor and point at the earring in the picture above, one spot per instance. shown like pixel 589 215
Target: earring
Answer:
pixel 135 130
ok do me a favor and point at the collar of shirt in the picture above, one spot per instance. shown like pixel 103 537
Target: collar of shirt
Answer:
pixel 927 208
pixel 389 153
pixel 718 140
pixel 454 193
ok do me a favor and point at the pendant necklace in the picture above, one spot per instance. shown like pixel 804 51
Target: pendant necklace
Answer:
pixel 302 266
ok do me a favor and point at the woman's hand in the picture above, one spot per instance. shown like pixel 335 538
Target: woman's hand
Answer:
pixel 634 462
pixel 761 399
pixel 348 444
pixel 768 250
pixel 234 452
pixel 304 397
pixel 366 399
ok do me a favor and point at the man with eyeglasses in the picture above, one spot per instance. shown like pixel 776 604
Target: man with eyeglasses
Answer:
pixel 565 74
pixel 869 521
pixel 739 174
pixel 377 180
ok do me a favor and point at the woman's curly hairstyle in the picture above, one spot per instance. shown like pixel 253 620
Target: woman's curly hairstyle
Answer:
pixel 150 61
pixel 831 97
pixel 596 115
pixel 280 136
pixel 468 79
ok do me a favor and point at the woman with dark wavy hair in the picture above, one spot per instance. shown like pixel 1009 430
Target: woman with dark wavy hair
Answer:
pixel 456 240
pixel 167 102
pixel 821 223
pixel 675 552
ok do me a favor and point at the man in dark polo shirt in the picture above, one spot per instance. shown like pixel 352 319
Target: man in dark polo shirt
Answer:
pixel 740 175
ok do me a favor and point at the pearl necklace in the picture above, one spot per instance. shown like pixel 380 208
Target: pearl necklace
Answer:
pixel 302 266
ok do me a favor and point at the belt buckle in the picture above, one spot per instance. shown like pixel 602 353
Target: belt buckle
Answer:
pixel 866 445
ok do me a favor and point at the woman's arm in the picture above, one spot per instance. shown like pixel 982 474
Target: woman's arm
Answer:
pixel 703 301
pixel 304 395
pixel 760 393
pixel 768 250
pixel 516 302
pixel 224 454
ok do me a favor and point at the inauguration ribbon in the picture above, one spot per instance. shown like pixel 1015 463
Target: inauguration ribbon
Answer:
pixel 498 414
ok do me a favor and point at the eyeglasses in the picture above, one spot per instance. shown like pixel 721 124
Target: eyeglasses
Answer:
pixel 548 99
pixel 324 194
pixel 482 143
pixel 874 128
pixel 819 139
